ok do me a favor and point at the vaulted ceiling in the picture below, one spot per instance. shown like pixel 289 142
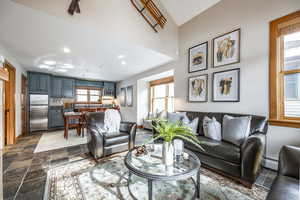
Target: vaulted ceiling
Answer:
pixel 109 40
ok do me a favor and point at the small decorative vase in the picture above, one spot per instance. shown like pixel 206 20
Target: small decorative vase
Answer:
pixel 168 153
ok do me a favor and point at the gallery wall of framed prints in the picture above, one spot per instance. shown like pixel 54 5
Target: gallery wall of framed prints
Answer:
pixel 225 83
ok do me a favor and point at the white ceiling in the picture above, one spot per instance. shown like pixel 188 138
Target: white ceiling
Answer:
pixel 33 36
pixel 184 10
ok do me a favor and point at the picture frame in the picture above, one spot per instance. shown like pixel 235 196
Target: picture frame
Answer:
pixel 198 58
pixel 198 88
pixel 227 48
pixel 123 97
pixel 129 96
pixel 226 86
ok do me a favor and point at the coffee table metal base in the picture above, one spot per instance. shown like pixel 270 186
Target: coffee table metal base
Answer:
pixel 150 186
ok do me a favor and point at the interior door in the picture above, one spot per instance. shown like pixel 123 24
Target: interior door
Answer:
pixel 24 105
pixel 10 104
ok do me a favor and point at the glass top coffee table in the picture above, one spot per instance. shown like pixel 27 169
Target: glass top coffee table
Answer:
pixel 151 168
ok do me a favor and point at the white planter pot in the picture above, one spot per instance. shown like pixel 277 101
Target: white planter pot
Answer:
pixel 168 153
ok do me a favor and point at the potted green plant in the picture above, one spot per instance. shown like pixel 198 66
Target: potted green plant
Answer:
pixel 170 131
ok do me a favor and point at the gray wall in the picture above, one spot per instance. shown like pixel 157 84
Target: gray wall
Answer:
pixel 253 18
pixel 140 93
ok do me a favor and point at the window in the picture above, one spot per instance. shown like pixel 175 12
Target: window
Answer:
pixel 285 71
pixel 88 95
pixel 162 95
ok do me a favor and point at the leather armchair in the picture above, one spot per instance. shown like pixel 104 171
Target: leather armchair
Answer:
pixel 286 184
pixel 101 144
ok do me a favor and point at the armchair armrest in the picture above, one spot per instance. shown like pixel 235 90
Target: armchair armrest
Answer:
pixel 95 142
pixel 289 161
pixel 252 152
pixel 130 128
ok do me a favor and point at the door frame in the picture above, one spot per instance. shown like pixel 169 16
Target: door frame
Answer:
pixel 24 105
pixel 10 105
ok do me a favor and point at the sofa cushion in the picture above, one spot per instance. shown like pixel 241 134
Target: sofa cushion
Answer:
pixel 284 188
pixel 116 138
pixel 162 115
pixel 218 149
pixel 193 124
pixel 236 129
pixel 212 128
pixel 175 117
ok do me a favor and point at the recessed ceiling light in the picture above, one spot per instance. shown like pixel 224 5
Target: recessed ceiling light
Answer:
pixel 49 62
pixel 121 56
pixel 67 66
pixel 67 50
pixel 61 70
pixel 123 62
pixel 44 66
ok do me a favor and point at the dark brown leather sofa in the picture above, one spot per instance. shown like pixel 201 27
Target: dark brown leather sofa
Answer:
pixel 242 163
pixel 286 184
pixel 101 144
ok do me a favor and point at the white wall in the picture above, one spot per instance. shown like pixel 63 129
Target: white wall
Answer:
pixel 253 18
pixel 19 72
pixel 140 86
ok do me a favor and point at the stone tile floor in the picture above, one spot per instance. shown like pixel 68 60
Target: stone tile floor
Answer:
pixel 25 172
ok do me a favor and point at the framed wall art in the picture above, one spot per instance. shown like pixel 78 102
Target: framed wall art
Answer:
pixel 129 96
pixel 226 48
pixel 198 88
pixel 226 86
pixel 123 97
pixel 198 57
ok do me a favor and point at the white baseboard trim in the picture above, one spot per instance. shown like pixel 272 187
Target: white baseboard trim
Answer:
pixel 271 164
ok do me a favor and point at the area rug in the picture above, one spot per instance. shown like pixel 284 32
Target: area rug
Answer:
pixel 55 140
pixel 107 180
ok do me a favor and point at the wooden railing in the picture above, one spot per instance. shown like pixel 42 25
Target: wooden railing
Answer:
pixel 146 7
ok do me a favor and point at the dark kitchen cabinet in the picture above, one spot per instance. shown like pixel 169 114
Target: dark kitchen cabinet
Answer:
pixel 62 87
pixel 86 83
pixel 38 83
pixel 68 88
pixel 56 87
pixel 56 119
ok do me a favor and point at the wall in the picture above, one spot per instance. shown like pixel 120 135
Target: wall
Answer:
pixel 19 72
pixel 140 86
pixel 253 18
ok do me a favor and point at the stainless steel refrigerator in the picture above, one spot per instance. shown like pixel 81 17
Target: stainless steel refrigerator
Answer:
pixel 38 112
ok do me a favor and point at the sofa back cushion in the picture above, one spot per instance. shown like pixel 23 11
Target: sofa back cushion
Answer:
pixel 193 124
pixel 236 129
pixel 212 128
pixel 258 123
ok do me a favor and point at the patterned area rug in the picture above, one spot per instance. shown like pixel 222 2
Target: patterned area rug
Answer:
pixel 107 180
